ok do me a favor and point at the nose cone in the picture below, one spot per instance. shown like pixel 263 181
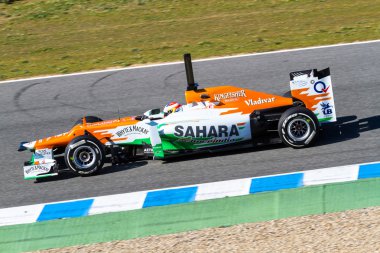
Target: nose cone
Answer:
pixel 30 145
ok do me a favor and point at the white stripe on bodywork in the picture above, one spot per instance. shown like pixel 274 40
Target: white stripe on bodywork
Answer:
pixel 154 136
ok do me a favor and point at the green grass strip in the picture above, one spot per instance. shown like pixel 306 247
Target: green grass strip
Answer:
pixel 193 216
pixel 62 36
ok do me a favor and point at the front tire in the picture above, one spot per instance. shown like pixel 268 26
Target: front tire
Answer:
pixel 84 155
pixel 298 127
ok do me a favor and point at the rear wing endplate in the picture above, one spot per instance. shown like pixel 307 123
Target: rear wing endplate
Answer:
pixel 314 89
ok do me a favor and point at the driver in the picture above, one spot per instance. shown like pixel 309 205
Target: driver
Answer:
pixel 172 107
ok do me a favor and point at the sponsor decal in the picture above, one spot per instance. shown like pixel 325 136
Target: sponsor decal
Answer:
pixel 259 101
pixel 206 131
pixel 132 130
pixel 227 95
pixel 224 140
pixel 148 150
pixel 38 156
pixel 106 122
pixel 326 108
pixel 39 168
pixel 320 87
pixel 300 83
pixel 43 152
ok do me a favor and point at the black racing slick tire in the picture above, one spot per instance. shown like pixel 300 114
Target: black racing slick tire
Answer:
pixel 298 127
pixel 84 155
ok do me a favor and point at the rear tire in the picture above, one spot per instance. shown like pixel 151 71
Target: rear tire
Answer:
pixel 298 127
pixel 84 155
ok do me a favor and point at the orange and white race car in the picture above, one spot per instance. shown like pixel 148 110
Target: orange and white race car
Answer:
pixel 215 118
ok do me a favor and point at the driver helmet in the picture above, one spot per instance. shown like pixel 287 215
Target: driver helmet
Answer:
pixel 172 107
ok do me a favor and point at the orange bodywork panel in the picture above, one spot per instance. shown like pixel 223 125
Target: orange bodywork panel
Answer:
pixel 238 99
pixel 80 129
pixel 311 101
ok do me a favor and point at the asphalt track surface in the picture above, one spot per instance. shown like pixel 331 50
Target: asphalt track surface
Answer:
pixel 38 108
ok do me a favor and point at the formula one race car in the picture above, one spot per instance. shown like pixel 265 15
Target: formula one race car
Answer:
pixel 215 118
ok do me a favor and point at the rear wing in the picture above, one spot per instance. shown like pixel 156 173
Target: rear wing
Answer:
pixel 314 89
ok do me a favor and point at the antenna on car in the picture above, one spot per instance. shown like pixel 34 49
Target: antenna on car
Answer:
pixel 191 85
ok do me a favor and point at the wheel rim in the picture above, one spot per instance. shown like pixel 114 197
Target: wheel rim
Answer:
pixel 84 157
pixel 299 129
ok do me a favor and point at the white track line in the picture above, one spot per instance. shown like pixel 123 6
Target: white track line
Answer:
pixel 200 60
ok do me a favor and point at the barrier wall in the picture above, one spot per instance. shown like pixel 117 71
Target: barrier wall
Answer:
pixel 191 216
